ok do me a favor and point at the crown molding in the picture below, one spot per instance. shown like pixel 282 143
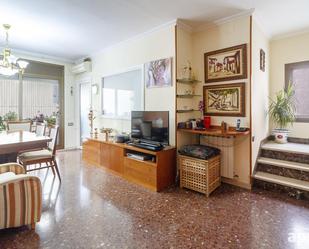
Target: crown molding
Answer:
pixel 257 20
pixel 137 37
pixel 290 34
pixel 37 56
pixel 181 24
pixel 224 20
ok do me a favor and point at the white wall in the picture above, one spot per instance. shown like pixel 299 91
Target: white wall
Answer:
pixel 260 89
pixel 131 54
pixel 283 51
pixel 231 33
pixel 69 101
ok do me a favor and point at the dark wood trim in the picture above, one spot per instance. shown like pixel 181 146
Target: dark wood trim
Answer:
pixel 244 65
pixel 176 70
pixel 242 86
pixel 250 102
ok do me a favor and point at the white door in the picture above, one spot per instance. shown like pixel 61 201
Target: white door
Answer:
pixel 85 105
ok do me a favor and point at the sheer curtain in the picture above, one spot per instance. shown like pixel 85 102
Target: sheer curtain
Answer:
pixel 40 96
pixel 9 90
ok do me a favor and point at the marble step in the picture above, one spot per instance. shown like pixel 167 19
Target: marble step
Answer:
pixel 281 180
pixel 284 164
pixel 288 147
pixel 292 152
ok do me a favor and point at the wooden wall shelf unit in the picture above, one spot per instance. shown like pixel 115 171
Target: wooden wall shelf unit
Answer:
pixel 216 131
pixel 186 111
pixel 185 96
pixel 188 81
pixel 155 175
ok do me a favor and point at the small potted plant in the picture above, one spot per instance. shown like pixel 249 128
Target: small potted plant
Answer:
pixel 282 112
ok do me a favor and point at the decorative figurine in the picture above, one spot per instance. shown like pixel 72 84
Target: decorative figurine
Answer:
pixel 91 117
pixel 201 108
pixel 107 131
pixel 187 71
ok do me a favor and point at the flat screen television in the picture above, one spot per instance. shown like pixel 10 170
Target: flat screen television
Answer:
pixel 152 126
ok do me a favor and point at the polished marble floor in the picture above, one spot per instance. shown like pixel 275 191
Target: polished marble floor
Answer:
pixel 94 209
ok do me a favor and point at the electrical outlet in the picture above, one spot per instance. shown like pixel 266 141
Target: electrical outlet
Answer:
pixel 70 124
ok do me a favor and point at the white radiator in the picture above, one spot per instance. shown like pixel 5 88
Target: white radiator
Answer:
pixel 226 145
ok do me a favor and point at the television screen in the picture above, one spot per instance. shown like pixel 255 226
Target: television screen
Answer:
pixel 150 126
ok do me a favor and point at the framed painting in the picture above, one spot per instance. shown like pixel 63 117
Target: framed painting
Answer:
pixel 262 60
pixel 226 64
pixel 158 73
pixel 225 100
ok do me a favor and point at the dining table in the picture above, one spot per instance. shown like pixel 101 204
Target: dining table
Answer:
pixel 14 142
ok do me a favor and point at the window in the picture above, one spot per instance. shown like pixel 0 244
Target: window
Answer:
pixel 121 94
pixel 298 74
pixel 40 96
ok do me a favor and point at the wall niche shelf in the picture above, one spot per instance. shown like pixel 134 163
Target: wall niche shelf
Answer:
pixel 186 111
pixel 184 96
pixel 188 81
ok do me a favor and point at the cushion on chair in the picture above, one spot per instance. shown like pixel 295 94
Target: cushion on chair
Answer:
pixel 4 177
pixel 10 176
pixel 35 155
pixel 199 151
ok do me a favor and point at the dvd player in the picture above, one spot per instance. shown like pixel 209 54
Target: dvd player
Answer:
pixel 140 156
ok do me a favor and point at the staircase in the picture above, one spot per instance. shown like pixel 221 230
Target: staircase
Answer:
pixel 283 168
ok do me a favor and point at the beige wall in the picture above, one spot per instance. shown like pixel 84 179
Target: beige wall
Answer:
pixel 260 89
pixel 184 54
pixel 229 34
pixel 232 33
pixel 283 51
pixel 131 54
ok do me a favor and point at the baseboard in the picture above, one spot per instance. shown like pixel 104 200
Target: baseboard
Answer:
pixel 236 183
pixel 69 149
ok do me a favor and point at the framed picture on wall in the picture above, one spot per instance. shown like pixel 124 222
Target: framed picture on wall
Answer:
pixel 158 73
pixel 226 64
pixel 262 60
pixel 225 100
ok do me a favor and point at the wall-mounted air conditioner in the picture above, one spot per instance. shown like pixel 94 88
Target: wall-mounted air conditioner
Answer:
pixel 84 67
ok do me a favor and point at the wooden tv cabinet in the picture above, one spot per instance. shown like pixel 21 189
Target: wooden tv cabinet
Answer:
pixel 112 156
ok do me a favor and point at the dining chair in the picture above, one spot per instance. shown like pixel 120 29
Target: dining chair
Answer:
pixel 19 125
pixel 40 129
pixel 40 157
pixel 20 195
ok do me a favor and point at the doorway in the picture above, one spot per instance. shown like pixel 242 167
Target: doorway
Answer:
pixel 85 105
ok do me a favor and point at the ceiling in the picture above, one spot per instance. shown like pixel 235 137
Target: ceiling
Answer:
pixel 72 29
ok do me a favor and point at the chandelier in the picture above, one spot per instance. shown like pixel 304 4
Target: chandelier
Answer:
pixel 9 64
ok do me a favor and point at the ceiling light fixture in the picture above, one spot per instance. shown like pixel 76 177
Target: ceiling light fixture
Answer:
pixel 9 64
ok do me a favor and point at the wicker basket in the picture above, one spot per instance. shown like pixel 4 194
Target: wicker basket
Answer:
pixel 200 175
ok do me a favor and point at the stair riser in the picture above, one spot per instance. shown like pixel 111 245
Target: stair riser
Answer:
pixel 292 192
pixel 292 173
pixel 286 156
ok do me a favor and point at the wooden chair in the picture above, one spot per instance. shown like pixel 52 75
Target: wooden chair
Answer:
pixel 19 125
pixel 40 157
pixel 40 129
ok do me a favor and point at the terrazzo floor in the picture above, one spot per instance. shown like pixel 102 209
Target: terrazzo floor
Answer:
pixel 95 209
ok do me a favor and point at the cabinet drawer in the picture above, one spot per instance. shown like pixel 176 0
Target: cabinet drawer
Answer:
pixel 144 173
